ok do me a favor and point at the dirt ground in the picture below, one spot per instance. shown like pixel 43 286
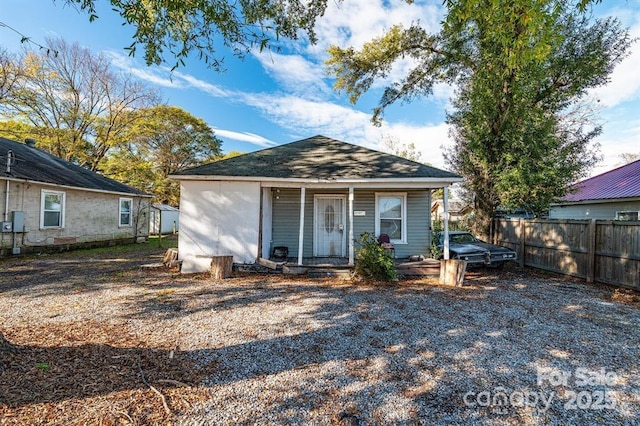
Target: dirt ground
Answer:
pixel 93 337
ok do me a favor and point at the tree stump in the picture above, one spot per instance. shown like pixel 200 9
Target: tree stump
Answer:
pixel 221 267
pixel 452 272
pixel 171 257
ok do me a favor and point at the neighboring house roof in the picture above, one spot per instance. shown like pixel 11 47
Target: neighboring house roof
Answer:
pixel 457 207
pixel 623 182
pixel 33 164
pixel 164 208
pixel 318 157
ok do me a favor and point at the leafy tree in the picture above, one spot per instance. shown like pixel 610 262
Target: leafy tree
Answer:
pixel 162 140
pixel 517 140
pixel 405 150
pixel 10 72
pixel 175 29
pixel 230 154
pixel 77 106
pixel 520 68
pixel 629 157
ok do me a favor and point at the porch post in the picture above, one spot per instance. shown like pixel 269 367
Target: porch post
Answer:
pixel 351 256
pixel 303 192
pixel 445 198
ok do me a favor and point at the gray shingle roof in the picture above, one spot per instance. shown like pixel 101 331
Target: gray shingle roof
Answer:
pixel 318 157
pixel 39 166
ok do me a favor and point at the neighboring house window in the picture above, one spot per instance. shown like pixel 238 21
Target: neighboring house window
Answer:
pixel 125 211
pixel 627 215
pixel 391 216
pixel 52 212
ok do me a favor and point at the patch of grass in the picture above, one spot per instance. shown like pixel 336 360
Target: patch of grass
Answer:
pixel 42 366
pixel 152 245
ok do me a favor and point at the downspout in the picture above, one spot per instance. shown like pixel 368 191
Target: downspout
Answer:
pixel 6 200
pixel 6 203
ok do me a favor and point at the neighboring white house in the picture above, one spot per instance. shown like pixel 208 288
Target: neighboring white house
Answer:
pixel 164 219
pixel 49 203
pixel 613 195
pixel 315 197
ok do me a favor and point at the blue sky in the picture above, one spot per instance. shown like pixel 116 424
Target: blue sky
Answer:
pixel 271 98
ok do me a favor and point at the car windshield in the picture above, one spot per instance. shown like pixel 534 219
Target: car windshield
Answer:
pixel 462 239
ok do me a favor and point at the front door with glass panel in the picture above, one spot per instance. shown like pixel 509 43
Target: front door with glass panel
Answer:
pixel 329 236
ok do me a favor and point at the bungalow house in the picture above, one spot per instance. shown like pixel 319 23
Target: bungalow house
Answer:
pixel 613 195
pixel 310 198
pixel 52 204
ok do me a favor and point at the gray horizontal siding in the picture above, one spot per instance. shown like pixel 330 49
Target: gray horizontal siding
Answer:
pixel 286 219
pixel 604 211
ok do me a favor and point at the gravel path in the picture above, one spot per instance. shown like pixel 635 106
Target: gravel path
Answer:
pixel 510 348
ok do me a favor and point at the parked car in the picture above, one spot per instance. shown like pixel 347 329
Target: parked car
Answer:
pixel 463 245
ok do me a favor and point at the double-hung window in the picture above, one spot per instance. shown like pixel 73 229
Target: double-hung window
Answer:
pixel 125 211
pixel 391 216
pixel 52 209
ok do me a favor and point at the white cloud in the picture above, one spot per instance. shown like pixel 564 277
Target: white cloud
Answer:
pixel 624 84
pixel 430 140
pixel 202 85
pixel 305 114
pixel 355 22
pixel 157 77
pixel 349 23
pixel 308 116
pixel 244 137
pixel 295 73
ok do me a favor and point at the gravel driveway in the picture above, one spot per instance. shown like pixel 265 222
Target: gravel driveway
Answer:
pixel 510 348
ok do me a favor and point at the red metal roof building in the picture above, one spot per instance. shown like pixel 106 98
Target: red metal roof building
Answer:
pixel 613 195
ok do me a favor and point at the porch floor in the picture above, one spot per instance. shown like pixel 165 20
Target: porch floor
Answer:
pixel 325 265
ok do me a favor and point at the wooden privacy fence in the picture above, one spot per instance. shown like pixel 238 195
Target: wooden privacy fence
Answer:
pixel 601 251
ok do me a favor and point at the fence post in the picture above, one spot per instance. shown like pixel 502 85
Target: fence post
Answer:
pixel 493 230
pixel 591 252
pixel 522 241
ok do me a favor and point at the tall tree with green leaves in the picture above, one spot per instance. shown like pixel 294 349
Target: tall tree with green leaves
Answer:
pixel 520 68
pixel 173 30
pixel 75 104
pixel 162 140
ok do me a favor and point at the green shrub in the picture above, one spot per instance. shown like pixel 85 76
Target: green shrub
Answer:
pixel 372 261
pixel 436 232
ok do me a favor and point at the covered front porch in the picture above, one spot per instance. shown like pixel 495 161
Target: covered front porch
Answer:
pixel 320 224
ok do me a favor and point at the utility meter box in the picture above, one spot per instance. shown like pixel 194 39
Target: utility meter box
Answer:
pixel 17 218
pixel 7 226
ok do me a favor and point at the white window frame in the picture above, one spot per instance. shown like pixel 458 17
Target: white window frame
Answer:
pixel 403 197
pixel 125 225
pixel 627 211
pixel 63 202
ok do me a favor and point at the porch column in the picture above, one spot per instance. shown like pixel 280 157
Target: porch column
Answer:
pixel 303 192
pixel 445 198
pixel 351 256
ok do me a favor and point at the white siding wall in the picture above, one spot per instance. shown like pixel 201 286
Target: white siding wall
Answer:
pixel 170 220
pixel 219 219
